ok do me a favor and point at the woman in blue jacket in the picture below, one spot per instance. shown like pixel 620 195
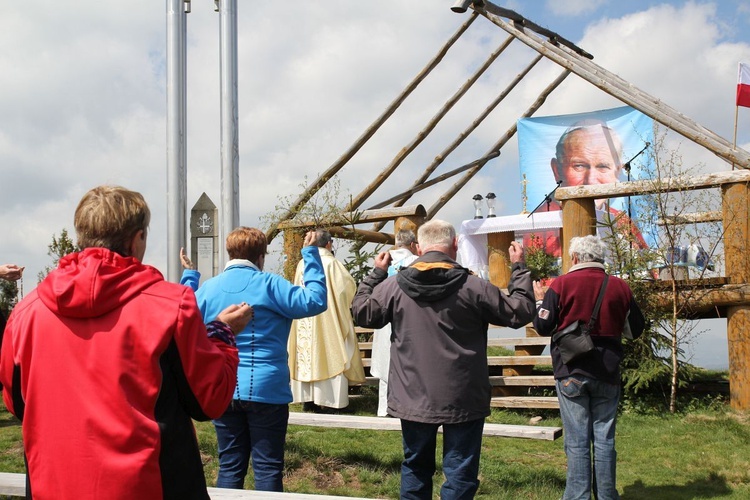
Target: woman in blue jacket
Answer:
pixel 254 426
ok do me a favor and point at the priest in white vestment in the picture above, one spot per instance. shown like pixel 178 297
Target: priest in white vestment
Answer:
pixel 324 356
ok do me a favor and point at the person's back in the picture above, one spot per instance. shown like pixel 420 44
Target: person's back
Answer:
pixel 439 315
pixel 105 363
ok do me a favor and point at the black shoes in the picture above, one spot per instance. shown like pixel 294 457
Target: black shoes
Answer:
pixel 309 406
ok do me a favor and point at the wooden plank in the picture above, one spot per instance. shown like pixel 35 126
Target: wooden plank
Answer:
pixel 634 188
pixel 518 360
pixel 394 424
pixel 525 402
pixel 518 341
pixel 229 494
pixel 523 380
pixel 14 484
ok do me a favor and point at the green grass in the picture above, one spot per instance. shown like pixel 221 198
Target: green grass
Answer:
pixel 701 454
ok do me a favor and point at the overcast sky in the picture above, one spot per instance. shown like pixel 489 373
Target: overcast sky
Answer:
pixel 83 97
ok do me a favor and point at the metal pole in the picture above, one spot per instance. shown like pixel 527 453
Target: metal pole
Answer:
pixel 176 130
pixel 229 215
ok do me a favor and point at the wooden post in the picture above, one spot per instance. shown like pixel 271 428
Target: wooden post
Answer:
pixel 293 240
pixel 736 210
pixel 411 222
pixel 579 219
pixel 498 258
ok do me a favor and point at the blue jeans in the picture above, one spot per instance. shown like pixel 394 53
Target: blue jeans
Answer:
pixel 588 408
pixel 258 430
pixel 462 444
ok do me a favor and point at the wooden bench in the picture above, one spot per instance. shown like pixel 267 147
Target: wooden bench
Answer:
pixel 14 484
pixel 394 424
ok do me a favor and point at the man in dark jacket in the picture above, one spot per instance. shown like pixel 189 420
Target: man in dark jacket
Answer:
pixel 588 388
pixel 439 314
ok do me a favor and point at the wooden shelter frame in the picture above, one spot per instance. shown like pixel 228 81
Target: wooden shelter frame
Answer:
pixel 577 202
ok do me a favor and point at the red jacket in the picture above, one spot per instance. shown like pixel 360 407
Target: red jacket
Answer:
pixel 105 363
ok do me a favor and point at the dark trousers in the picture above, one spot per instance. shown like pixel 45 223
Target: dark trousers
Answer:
pixel 462 444
pixel 252 430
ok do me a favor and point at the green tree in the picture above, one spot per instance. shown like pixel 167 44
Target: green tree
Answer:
pixel 8 296
pixel 323 210
pixel 541 264
pixel 59 248
pixel 659 355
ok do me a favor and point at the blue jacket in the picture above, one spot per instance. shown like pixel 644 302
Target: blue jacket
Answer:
pixel 263 374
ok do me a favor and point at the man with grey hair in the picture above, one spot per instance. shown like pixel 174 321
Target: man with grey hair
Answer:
pixel 589 152
pixel 588 387
pixel 324 356
pixel 439 313
pixel 401 256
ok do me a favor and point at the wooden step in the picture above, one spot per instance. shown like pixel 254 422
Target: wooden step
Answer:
pixel 523 380
pixel 519 360
pixel 517 341
pixel 525 402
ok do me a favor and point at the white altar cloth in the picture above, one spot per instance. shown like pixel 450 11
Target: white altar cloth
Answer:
pixel 472 236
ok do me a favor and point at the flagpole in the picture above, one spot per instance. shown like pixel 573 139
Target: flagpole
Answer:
pixel 736 112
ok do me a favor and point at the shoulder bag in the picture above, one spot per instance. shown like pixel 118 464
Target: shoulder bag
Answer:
pixel 575 339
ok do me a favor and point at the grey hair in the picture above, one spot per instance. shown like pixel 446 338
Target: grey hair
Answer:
pixel 436 233
pixel 322 238
pixel 587 248
pixel 405 237
pixel 591 126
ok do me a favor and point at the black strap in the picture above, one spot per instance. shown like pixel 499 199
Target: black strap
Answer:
pixel 595 313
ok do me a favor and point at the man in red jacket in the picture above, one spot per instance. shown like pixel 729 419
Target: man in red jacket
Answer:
pixel 106 363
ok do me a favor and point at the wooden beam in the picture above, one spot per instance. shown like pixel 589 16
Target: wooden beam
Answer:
pixel 421 181
pixel 370 131
pixel 524 23
pixel 623 90
pixel 362 235
pixel 424 185
pixel 381 214
pixel 690 218
pixel 425 132
pixel 446 197
pixel 634 188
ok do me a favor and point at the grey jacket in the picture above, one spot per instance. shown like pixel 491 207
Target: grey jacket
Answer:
pixel 439 314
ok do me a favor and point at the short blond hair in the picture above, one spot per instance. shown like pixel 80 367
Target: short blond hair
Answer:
pixel 109 217
pixel 246 243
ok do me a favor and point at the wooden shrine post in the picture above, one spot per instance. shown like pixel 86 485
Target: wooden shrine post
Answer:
pixel 293 240
pixel 736 214
pixel 579 219
pixel 411 222
pixel 498 258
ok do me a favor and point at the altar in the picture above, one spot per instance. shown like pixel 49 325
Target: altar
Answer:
pixel 483 243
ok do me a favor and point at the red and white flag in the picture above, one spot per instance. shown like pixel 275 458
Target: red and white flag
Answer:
pixel 743 86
